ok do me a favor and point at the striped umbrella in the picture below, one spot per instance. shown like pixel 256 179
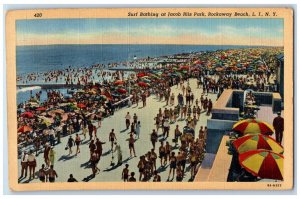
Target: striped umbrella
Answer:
pixel 263 163
pixel 259 141
pixel 253 126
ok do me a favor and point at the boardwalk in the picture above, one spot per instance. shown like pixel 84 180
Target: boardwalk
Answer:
pixel 77 165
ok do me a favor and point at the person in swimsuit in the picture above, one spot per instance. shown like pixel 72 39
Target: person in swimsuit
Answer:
pixel 162 154
pixel 173 162
pixel 131 141
pixel 141 166
pixel 132 178
pixel 46 154
pixel 153 158
pixel 168 151
pixel 94 162
pixel 194 162
pixel 72 179
pixel 52 174
pixel 125 173
pixel 24 164
pixel 77 142
pixel 31 164
pixel 70 144
pixel 112 138
pixel 42 174
pixel 154 138
pixel 157 122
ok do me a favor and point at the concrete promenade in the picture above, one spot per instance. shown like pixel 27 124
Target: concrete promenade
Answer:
pixel 78 165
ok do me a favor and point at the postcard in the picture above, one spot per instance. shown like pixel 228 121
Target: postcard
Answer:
pixel 150 99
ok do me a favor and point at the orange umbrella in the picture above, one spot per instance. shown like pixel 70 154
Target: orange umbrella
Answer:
pixel 24 129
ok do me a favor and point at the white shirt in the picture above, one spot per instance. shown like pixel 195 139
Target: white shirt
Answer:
pixel 31 157
pixel 128 117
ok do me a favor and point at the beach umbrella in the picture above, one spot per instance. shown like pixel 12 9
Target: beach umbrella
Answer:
pixel 41 108
pixel 259 141
pixel 80 105
pixel 142 84
pixel 141 75
pixel 253 126
pixel 122 90
pixel 27 115
pixel 184 68
pixel 263 163
pixel 119 82
pixel 24 129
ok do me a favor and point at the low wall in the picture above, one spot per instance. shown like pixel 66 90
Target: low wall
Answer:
pixel 222 109
pixel 227 108
pixel 220 124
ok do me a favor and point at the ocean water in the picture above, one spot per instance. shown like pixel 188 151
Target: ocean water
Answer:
pixel 51 57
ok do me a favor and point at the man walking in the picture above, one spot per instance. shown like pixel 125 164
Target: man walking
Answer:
pixel 278 124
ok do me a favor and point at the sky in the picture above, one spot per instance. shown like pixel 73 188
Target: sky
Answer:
pixel 190 31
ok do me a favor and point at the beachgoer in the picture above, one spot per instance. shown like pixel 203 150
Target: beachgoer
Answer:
pixel 125 173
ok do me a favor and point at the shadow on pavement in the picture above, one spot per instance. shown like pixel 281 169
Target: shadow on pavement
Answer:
pixel 85 142
pixel 65 157
pixel 86 164
pixel 106 153
pixel 122 131
pixel 88 178
pixel 116 166
pixel 162 169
